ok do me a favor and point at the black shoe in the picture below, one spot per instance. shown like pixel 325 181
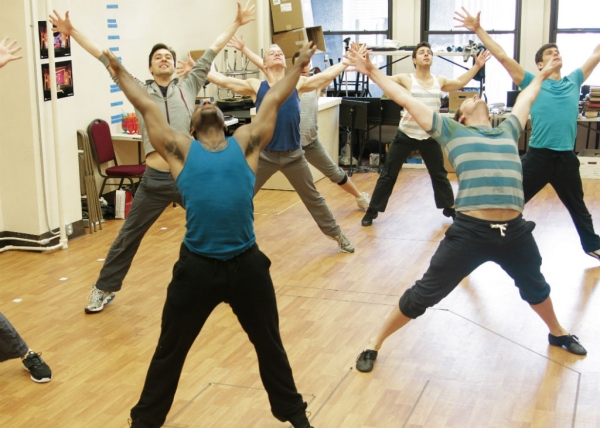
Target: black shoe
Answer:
pixel 570 342
pixel 369 216
pixel 300 420
pixel 37 368
pixel 365 361
pixel 450 212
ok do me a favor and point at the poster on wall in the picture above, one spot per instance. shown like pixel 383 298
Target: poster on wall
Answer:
pixel 64 80
pixel 62 42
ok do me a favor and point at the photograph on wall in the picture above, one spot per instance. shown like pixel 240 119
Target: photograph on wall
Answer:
pixel 64 80
pixel 62 42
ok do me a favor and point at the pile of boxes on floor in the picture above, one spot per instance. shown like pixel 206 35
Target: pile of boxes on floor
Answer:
pixel 592 103
pixel 293 27
pixel 589 159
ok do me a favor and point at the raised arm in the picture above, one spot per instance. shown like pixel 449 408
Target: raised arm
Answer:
pixel 239 44
pixel 8 49
pixel 531 92
pixel 462 80
pixel 167 142
pixel 242 17
pixel 472 23
pixel 591 63
pixel 324 78
pixel 422 114
pixel 248 87
pixel 66 27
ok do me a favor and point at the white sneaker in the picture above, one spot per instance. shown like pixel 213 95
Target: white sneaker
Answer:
pixel 98 299
pixel 363 201
pixel 344 243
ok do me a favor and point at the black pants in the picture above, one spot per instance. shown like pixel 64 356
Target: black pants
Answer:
pixel 199 284
pixel 470 242
pixel 561 170
pixel 432 155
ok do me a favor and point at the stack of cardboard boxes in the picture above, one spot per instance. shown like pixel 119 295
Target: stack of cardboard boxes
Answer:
pixel 293 27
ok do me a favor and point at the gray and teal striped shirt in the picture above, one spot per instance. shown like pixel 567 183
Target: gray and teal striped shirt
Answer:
pixel 486 161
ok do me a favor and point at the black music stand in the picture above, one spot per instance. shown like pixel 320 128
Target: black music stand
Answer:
pixel 353 115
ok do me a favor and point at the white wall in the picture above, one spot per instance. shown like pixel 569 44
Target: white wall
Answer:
pixel 183 24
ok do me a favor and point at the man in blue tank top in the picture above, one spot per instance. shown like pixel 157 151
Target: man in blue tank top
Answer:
pixel 489 225
pixel 550 157
pixel 284 152
pixel 219 260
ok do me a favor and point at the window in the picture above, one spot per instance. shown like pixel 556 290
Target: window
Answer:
pixel 363 21
pixel 500 19
pixel 575 28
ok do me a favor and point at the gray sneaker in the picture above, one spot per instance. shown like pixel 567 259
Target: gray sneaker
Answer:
pixel 98 299
pixel 363 201
pixel 344 243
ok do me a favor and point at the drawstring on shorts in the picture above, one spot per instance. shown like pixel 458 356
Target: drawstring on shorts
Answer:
pixel 502 228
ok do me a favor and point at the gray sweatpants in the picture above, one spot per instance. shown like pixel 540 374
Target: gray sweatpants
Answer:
pixel 295 168
pixel 12 344
pixel 316 155
pixel 156 191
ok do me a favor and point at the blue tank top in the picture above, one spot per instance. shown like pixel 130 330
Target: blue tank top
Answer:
pixel 217 190
pixel 287 128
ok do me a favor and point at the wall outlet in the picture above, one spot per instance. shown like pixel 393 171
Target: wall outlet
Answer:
pixel 69 228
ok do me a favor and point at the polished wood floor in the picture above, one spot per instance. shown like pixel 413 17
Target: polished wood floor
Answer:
pixel 478 359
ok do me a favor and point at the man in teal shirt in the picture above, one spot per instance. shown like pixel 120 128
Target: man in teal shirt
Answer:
pixel 550 157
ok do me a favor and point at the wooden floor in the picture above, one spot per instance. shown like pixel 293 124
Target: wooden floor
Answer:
pixel 478 359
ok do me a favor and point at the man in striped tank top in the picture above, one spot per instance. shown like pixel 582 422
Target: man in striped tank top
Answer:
pixel 410 137
pixel 489 225
pixel 219 260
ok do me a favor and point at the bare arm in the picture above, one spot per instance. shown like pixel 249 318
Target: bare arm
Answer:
pixel 531 92
pixel 8 49
pixel 470 22
pixel 462 80
pixel 239 44
pixel 591 63
pixel 246 87
pixel 66 27
pixel 422 114
pixel 170 144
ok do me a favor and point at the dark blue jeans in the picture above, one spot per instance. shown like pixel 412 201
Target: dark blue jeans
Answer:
pixel 470 242
pixel 199 284
pixel 432 155
pixel 561 171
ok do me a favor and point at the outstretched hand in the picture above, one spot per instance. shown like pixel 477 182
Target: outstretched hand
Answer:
pixel 61 25
pixel 306 54
pixel 8 49
pixel 246 14
pixel 359 56
pixel 482 57
pixel 184 67
pixel 467 20
pixel 236 43
pixel 361 50
pixel 553 65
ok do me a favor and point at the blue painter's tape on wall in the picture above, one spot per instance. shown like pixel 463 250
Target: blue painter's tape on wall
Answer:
pixel 112 6
pixel 114 49
pixel 114 38
pixel 116 103
pixel 116 118
pixel 114 88
pixel 111 21
pixel 112 26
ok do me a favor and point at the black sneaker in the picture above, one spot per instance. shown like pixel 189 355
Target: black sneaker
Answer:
pixel 369 216
pixel 37 368
pixel 449 212
pixel 366 360
pixel 570 342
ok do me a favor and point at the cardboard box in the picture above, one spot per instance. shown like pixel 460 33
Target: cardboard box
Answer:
pixel 291 14
pixel 456 98
pixel 589 163
pixel 291 42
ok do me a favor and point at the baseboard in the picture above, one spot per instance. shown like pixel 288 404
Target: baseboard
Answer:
pixel 78 230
